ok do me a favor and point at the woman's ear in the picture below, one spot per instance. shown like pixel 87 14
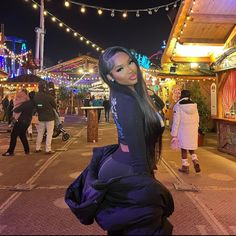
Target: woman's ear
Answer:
pixel 110 78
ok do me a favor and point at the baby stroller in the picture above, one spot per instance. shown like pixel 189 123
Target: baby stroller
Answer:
pixel 58 129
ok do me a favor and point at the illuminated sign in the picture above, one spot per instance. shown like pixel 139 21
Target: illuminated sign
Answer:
pixel 142 60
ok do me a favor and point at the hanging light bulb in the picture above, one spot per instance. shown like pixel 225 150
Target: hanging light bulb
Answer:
pixel 53 19
pixel 137 14
pixel 35 6
pixel 99 12
pixel 97 49
pixel 175 5
pixel 75 34
pixel 67 4
pixel 112 13
pixel 67 30
pixel 45 13
pixel 156 9
pixel 93 45
pixel 81 38
pixel 150 12
pixel 167 8
pixel 87 42
pixel 82 9
pixel 60 24
pixel 124 14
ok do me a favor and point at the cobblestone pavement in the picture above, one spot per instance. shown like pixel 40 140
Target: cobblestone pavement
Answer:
pixel 32 187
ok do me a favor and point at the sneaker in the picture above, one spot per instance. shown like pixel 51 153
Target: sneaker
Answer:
pixel 196 166
pixel 184 169
pixel 37 151
pixel 6 154
pixel 50 152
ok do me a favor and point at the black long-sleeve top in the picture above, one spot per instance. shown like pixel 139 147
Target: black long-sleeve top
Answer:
pixel 129 121
pixel 27 109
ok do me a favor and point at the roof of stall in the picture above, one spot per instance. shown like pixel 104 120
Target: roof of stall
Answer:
pixel 202 29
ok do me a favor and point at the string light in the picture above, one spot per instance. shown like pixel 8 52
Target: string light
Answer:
pixel 69 29
pixel 67 3
pixel 125 12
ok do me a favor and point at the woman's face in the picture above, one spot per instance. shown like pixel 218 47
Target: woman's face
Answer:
pixel 124 70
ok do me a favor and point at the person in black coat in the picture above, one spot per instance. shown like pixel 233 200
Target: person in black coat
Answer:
pixel 107 107
pixel 26 110
pixel 118 189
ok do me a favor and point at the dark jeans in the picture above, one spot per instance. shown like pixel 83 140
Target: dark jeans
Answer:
pixel 19 129
pixel 107 112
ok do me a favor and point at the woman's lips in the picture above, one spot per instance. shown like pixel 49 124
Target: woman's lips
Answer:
pixel 133 77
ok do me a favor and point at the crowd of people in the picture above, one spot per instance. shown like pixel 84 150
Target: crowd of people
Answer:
pixel 19 111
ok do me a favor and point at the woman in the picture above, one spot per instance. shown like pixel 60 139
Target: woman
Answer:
pixel 23 114
pixel 185 130
pixel 118 188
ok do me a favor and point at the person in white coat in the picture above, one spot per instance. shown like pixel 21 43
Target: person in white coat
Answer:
pixel 185 130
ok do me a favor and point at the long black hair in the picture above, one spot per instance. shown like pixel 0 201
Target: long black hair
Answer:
pixel 153 128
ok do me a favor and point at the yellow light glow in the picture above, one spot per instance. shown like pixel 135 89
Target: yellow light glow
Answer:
pixel 197 51
pixel 193 65
pixel 35 6
pixel 68 30
pixel 81 38
pixel 99 12
pixel 124 14
pixel 67 3
pixel 90 71
pixel 45 13
pixel 81 71
pixel 53 18
pixel 75 34
pixel 87 42
pixel 82 9
pixel 60 24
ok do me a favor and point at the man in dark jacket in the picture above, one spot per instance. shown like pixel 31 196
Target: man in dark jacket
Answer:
pixel 5 104
pixel 45 105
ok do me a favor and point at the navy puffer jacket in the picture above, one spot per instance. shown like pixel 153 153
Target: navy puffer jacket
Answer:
pixel 135 205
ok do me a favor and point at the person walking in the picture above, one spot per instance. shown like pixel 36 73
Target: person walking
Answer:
pixel 22 113
pixel 185 130
pixel 45 106
pixel 107 107
pixel 5 104
pixel 118 188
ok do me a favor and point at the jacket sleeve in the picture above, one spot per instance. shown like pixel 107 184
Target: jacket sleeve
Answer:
pixel 176 121
pixel 22 107
pixel 131 121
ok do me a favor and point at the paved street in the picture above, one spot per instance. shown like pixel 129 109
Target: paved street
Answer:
pixel 32 187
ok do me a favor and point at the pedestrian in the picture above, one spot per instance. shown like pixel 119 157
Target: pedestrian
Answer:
pixel 185 130
pixel 119 189
pixel 45 105
pixel 5 104
pixel 10 112
pixel 107 108
pixel 22 114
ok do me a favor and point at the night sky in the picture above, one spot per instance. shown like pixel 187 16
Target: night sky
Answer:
pixel 144 34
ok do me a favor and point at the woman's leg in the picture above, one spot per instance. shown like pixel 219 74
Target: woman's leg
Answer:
pixel 185 164
pixel 195 161
pixel 112 169
pixel 23 138
pixel 14 134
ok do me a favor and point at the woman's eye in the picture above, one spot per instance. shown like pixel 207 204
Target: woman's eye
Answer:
pixel 118 70
pixel 131 62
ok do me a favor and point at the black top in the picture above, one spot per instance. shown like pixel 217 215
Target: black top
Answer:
pixel 106 104
pixel 129 121
pixel 27 109
pixel 45 105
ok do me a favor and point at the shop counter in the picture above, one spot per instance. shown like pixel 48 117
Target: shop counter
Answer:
pixel 226 135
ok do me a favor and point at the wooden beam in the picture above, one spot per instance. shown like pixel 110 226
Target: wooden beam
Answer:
pixel 213 18
pixel 191 59
pixel 202 41
pixel 177 26
pixel 231 35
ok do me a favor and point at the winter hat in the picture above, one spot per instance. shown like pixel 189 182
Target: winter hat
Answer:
pixel 185 94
